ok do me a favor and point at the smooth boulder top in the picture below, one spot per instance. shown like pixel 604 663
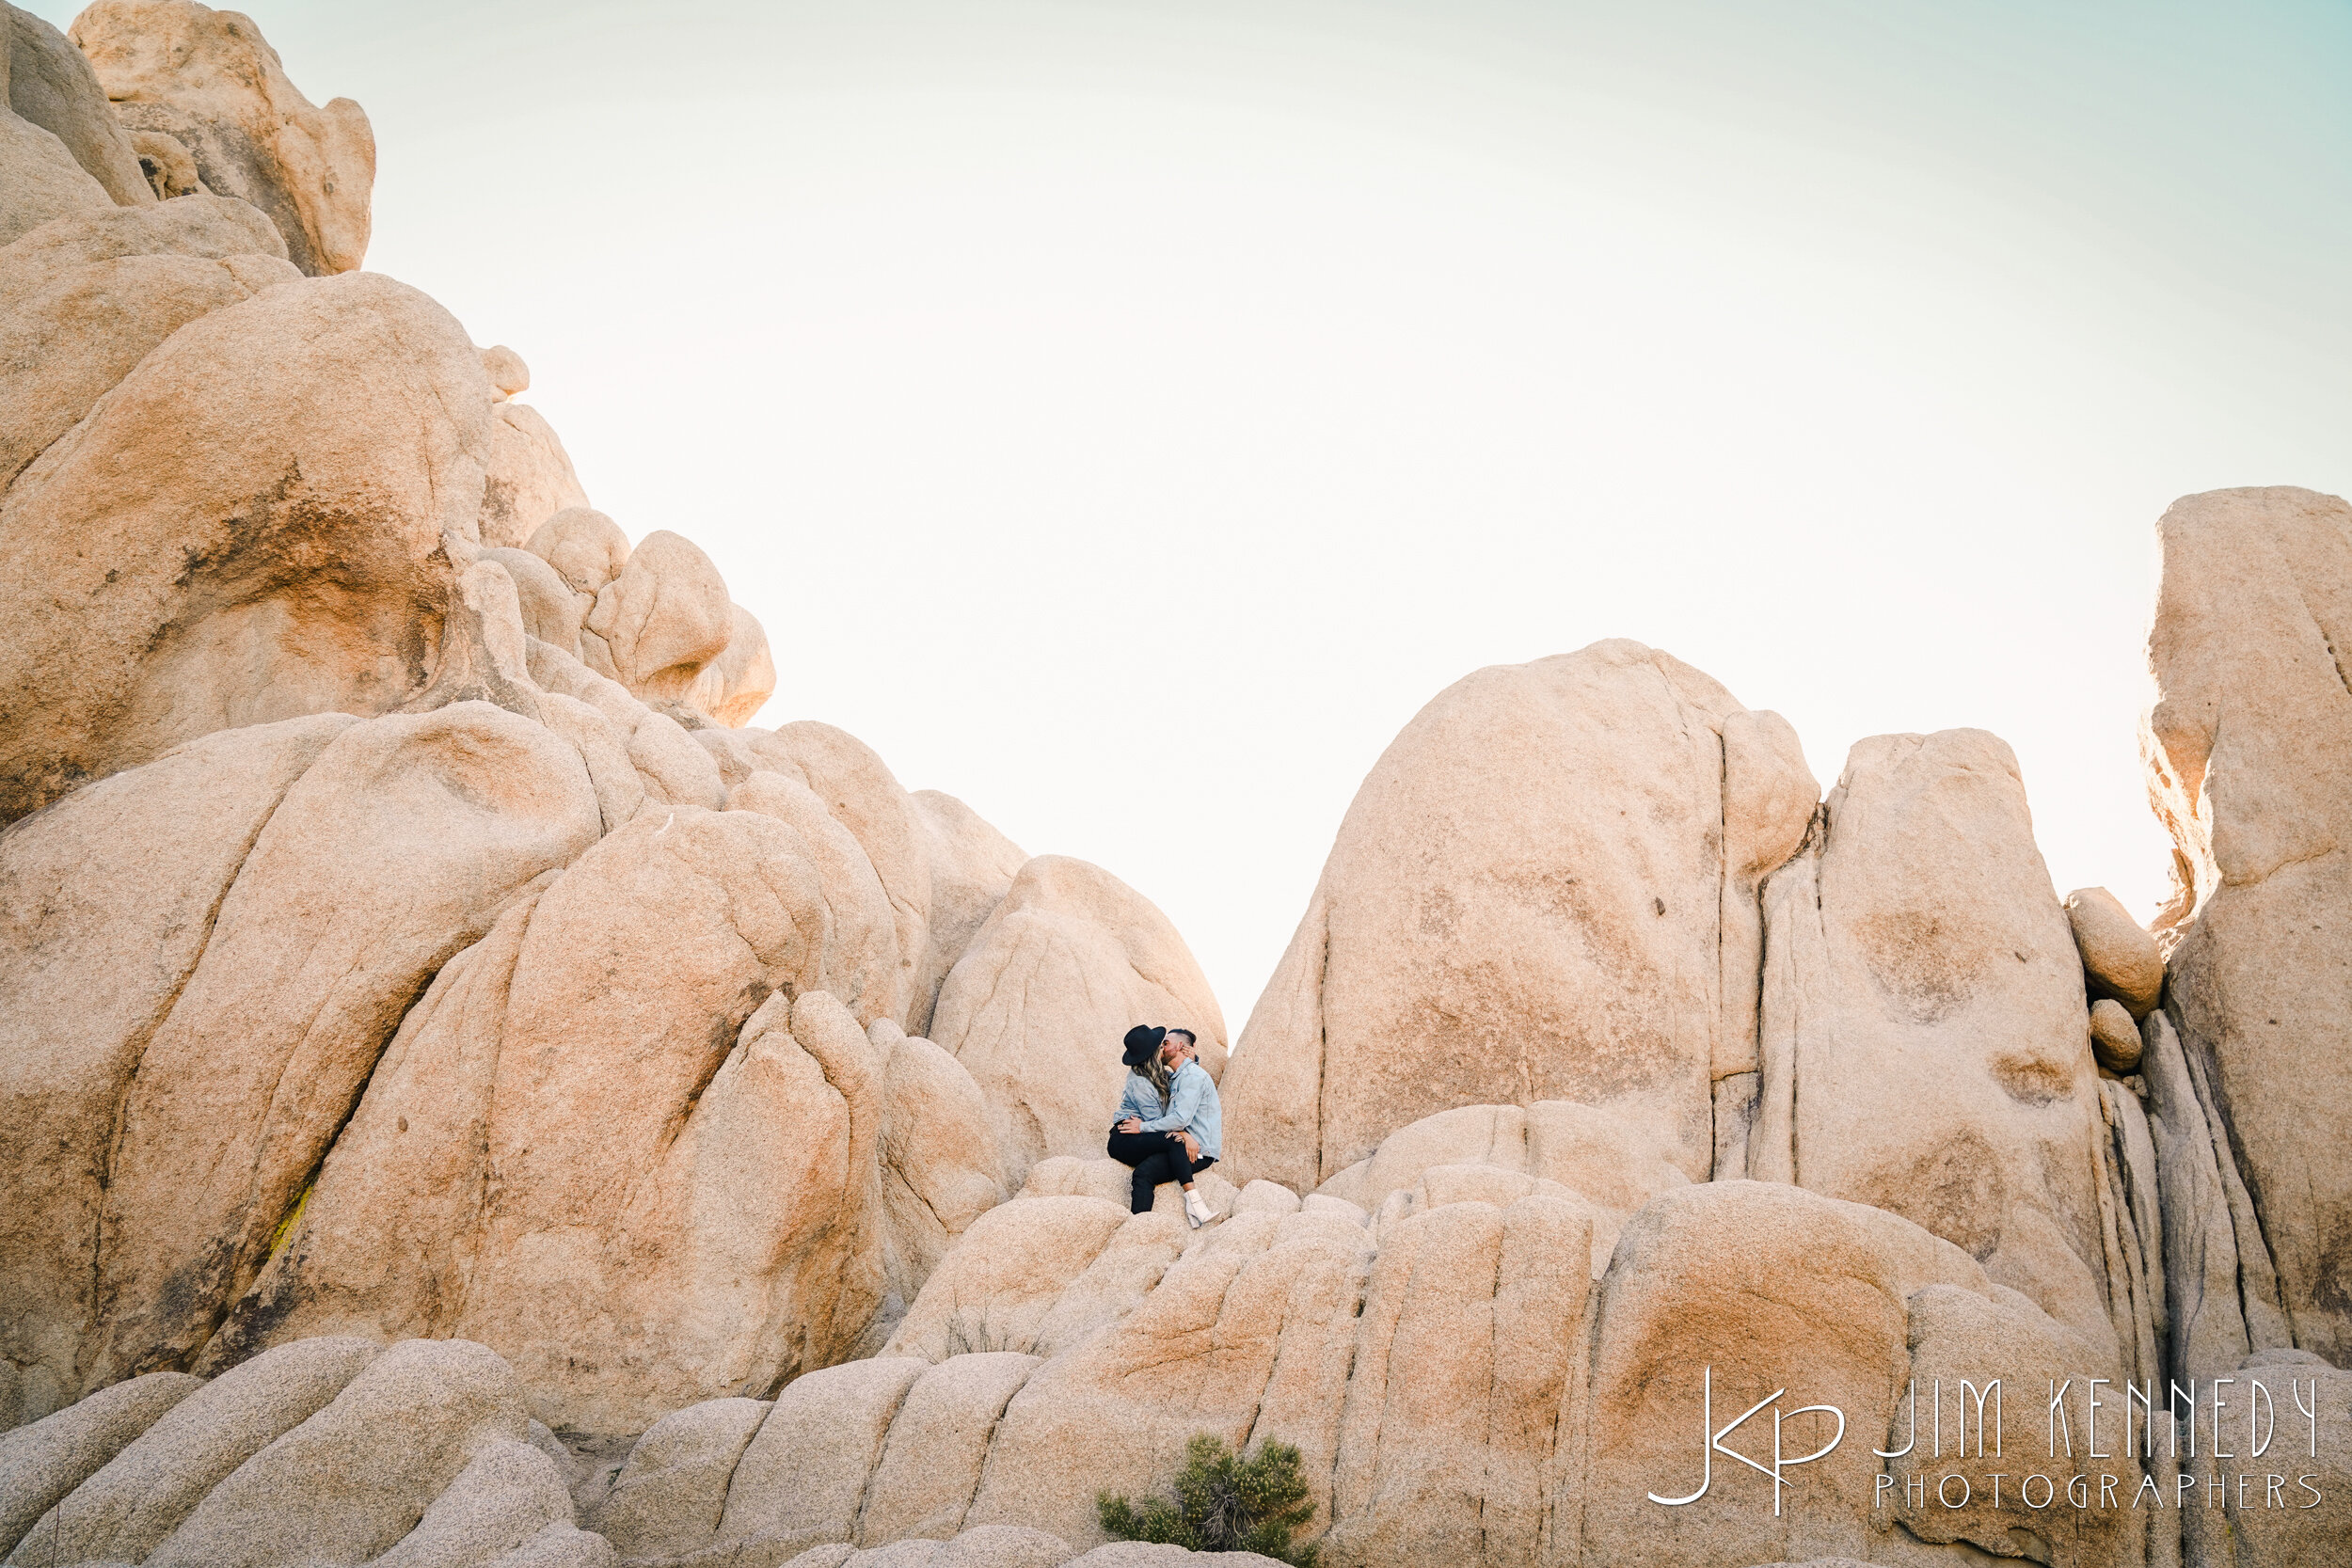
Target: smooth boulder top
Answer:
pixel 211 81
pixel 1544 890
pixel 506 369
pixel 2120 957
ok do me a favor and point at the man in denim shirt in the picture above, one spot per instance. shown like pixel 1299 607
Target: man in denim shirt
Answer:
pixel 1170 1140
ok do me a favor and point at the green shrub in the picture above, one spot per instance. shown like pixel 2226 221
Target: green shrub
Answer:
pixel 1223 1503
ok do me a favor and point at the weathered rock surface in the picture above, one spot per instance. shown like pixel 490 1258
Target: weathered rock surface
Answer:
pixel 209 80
pixel 687 1174
pixel 126 1510
pixel 586 548
pixel 170 167
pixel 550 611
pixel 940 1167
pixel 43 1462
pixel 2120 957
pixel 1461 1388
pixel 396 848
pixel 858 790
pixel 2288 1532
pixel 982 1547
pixel 734 687
pixel 1609 1164
pixel 2114 1037
pixel 405 936
pixel 994 1294
pixel 973 867
pixel 107 903
pixel 1924 1047
pixel 1035 1008
pixel 86 298
pixel 492 1122
pixel 1545 889
pixel 327 1452
pixel 40 181
pixel 2247 747
pixel 506 369
pixel 530 476
pixel 665 616
pixel 1067 1176
pixel 2221 1288
pixel 48 84
pixel 1744 1288
pixel 670 1492
pixel 185 560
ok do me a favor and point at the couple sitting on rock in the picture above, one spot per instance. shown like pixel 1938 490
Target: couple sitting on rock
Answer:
pixel 1168 1124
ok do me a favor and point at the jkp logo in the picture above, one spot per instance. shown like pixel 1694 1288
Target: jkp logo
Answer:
pixel 2182 1434
pixel 1782 1460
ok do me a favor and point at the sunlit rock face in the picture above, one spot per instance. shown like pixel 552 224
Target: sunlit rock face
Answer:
pixel 1545 889
pixel 470 1096
pixel 2246 744
pixel 407 933
pixel 1924 1034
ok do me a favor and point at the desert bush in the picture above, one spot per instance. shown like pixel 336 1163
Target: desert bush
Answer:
pixel 1223 1503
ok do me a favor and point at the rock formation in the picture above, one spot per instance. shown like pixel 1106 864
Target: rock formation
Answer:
pixel 407 934
pixel 208 81
pixel 1545 889
pixel 1924 1040
pixel 471 1096
pixel 2251 731
pixel 61 149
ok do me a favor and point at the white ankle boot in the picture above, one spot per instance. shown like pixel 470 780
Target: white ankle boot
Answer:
pixel 1197 1209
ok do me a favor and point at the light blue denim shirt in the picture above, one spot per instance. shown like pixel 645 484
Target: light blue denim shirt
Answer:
pixel 1192 1105
pixel 1139 1099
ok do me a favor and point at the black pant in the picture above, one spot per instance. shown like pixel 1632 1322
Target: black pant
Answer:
pixel 1156 1157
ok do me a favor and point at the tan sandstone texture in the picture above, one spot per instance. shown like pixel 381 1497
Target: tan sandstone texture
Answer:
pixel 86 299
pixel 1544 890
pixel 2247 745
pixel 183 562
pixel 325 1453
pixel 209 80
pixel 1924 1047
pixel 2119 958
pixel 60 150
pixel 1462 1387
pixel 402 932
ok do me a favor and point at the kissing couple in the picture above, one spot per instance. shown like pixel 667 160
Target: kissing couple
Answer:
pixel 1169 1125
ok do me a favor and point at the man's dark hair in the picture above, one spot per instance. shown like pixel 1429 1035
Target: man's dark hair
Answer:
pixel 1191 1040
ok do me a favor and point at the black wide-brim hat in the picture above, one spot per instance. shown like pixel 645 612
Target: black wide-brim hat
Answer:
pixel 1142 1040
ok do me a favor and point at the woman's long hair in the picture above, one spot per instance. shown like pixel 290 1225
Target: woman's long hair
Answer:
pixel 1160 1076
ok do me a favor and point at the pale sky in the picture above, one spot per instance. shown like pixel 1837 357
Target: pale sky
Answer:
pixel 1124 416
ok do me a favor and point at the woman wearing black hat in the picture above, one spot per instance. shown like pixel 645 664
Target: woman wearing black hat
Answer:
pixel 1169 1150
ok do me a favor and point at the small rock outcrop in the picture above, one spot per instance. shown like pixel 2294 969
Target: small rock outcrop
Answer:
pixel 2114 1037
pixel 2120 962
pixel 48 83
pixel 209 81
pixel 61 151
